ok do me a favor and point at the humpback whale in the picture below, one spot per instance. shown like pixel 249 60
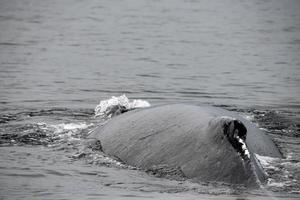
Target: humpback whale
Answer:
pixel 203 143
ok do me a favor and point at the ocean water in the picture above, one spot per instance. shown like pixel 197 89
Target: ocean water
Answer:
pixel 60 58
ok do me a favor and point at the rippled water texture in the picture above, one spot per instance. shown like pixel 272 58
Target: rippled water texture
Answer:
pixel 59 58
pixel 230 52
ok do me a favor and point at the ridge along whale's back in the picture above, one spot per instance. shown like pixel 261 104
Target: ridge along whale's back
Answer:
pixel 191 138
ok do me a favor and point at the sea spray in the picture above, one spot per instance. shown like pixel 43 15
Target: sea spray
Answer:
pixel 117 105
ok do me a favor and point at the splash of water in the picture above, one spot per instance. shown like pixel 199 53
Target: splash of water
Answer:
pixel 117 105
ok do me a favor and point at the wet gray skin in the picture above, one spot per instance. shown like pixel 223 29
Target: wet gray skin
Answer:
pixel 203 143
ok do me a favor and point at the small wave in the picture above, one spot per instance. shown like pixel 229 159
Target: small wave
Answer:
pixel 45 134
pixel 116 105
pixel 281 172
pixel 67 127
pixel 66 132
pixel 103 160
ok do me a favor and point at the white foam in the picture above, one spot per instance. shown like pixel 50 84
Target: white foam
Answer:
pixel 64 126
pixel 271 183
pixel 67 130
pixel 105 106
pixel 69 127
pixel 64 131
pixel 100 159
pixel 266 161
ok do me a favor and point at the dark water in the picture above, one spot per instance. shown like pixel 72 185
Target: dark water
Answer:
pixel 58 59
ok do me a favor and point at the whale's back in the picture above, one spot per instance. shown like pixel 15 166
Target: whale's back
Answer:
pixel 182 136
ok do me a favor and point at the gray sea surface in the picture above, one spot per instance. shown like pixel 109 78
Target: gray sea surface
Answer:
pixel 59 58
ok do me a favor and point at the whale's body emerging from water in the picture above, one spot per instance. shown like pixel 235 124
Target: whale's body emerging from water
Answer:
pixel 204 143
